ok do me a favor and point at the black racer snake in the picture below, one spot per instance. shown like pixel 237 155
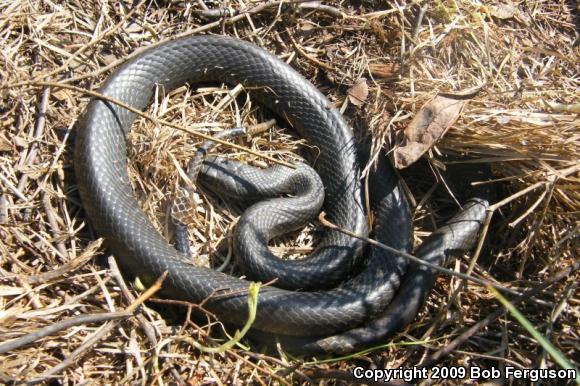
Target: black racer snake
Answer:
pixel 348 312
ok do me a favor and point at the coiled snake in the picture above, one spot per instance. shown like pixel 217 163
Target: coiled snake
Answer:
pixel 359 309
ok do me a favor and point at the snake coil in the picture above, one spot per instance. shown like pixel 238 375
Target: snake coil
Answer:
pixel 362 309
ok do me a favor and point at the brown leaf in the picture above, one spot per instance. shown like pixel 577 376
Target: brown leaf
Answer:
pixel 359 92
pixel 305 27
pixel 384 70
pixel 427 127
pixel 64 96
pixel 5 144
pixel 504 10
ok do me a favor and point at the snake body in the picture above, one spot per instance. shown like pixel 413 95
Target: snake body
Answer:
pixel 362 307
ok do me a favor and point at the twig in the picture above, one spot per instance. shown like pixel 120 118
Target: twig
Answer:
pixel 145 325
pixel 217 13
pixel 59 326
pixel 98 335
pixel 88 253
pixel 253 291
pixel 5 379
pixel 76 354
pixel 195 31
pixel 419 20
pixel 13 188
pixel 264 370
pixel 31 294
pixel 38 130
pixel 305 55
pixel 516 195
pixel 414 259
pixel 492 208
pixel 532 207
pixel 441 353
pixel 3 208
pixel 153 119
pixel 537 224
pixel 147 294
pixel 318 6
pixel 54 228
pixel 55 160
pixel 91 43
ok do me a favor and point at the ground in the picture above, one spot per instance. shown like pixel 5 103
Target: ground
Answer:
pixel 511 69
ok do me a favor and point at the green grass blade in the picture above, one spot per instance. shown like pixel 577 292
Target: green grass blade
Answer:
pixel 253 291
pixel 556 355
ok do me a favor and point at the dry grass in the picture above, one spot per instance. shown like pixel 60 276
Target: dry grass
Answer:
pixel 523 122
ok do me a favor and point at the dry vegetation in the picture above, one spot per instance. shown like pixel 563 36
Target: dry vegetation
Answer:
pixel 516 63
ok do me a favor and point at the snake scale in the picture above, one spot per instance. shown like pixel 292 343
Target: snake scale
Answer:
pixel 363 299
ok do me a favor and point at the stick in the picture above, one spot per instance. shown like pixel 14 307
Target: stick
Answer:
pixel 145 325
pixel 153 119
pixel 68 267
pixel 414 259
pixel 54 227
pixel 203 28
pixel 38 130
pixel 317 6
pixel 13 188
pixel 59 326
pixel 302 53
pixel 98 335
pixel 441 353
pixel 91 43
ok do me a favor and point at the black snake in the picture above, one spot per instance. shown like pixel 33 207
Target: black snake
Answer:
pixel 363 306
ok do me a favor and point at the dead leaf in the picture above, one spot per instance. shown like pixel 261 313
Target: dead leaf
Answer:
pixel 64 96
pixel 359 92
pixel 427 127
pixel 384 70
pixel 504 10
pixel 5 145
pixel 305 27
